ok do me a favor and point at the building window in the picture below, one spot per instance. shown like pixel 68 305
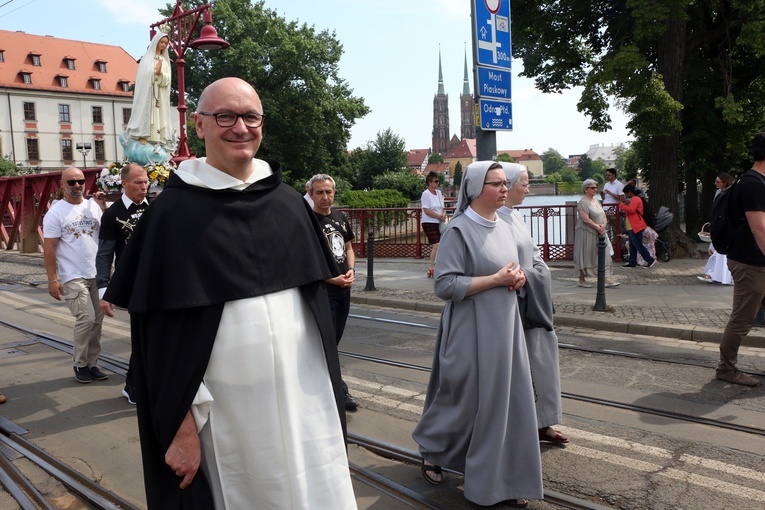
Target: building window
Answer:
pixel 101 66
pixel 126 115
pixel 96 84
pixel 63 113
pixel 29 111
pixel 66 150
pixel 35 60
pixel 70 63
pixel 100 149
pixel 63 82
pixel 33 152
pixel 26 78
pixel 125 85
pixel 2 59
pixel 98 117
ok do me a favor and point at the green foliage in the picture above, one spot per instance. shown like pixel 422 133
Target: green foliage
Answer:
pixel 409 185
pixel 592 169
pixel 505 158
pixel 385 154
pixel 295 69
pixel 8 168
pixel 377 198
pixel 457 174
pixel 553 161
pixel 688 74
pixel 569 175
pixel 435 157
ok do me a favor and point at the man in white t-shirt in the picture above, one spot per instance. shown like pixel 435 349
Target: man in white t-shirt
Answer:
pixel 612 190
pixel 70 230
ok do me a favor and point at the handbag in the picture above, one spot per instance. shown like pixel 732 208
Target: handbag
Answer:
pixel 442 225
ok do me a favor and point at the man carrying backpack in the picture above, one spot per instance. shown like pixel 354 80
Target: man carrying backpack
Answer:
pixel 746 261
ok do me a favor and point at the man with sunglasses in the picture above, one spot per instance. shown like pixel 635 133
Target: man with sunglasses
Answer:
pixel 70 243
pixel 235 362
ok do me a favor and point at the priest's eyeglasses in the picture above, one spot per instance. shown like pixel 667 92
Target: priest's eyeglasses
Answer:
pixel 227 119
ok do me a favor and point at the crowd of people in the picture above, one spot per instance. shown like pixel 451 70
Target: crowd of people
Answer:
pixel 263 327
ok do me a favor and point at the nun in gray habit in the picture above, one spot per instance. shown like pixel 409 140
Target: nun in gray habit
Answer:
pixel 479 415
pixel 536 306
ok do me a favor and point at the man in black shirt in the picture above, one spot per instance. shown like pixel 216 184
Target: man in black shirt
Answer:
pixel 746 261
pixel 338 233
pixel 117 225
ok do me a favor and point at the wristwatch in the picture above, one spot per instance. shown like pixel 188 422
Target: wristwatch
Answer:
pixel 352 269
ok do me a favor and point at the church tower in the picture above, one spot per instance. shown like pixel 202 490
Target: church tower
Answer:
pixel 467 107
pixel 440 115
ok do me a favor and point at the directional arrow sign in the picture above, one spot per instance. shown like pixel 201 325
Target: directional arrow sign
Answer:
pixel 493 83
pixel 495 115
pixel 492 32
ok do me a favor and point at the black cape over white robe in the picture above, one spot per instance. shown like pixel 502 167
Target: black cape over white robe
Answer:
pixel 193 250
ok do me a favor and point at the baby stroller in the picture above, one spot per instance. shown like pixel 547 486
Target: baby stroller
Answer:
pixel 663 219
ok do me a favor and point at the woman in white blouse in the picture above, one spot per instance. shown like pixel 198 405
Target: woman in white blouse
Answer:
pixel 433 214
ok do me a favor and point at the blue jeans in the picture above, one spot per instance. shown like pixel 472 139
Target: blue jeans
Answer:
pixel 636 244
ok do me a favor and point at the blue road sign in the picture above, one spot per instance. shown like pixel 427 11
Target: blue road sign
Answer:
pixel 495 115
pixel 492 32
pixel 493 83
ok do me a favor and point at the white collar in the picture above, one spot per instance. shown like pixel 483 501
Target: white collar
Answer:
pixel 470 213
pixel 196 172
pixel 128 202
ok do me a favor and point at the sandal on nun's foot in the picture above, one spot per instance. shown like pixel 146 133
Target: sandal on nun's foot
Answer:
pixel 436 470
pixel 517 503
pixel 552 435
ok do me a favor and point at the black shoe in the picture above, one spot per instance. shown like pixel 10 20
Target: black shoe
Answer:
pixel 651 264
pixel 627 265
pixel 129 392
pixel 350 403
pixel 82 374
pixel 96 374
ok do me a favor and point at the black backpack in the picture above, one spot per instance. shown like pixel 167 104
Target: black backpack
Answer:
pixel 649 215
pixel 723 227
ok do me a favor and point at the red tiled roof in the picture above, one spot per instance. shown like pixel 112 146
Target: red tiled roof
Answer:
pixel 436 167
pixel 416 157
pixel 465 149
pixel 18 46
pixel 521 155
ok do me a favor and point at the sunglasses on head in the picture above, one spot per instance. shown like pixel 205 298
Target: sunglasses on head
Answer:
pixel 72 182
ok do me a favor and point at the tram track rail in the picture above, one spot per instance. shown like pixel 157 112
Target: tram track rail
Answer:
pixel 384 485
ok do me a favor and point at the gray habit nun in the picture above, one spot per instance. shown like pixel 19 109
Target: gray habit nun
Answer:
pixel 479 415
pixel 536 307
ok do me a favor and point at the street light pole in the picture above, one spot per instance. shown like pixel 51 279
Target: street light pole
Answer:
pixel 84 149
pixel 182 25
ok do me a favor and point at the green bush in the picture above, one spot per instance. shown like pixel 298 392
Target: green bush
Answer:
pixel 377 198
pixel 409 185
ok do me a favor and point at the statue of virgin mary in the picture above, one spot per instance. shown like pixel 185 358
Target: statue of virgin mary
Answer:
pixel 150 137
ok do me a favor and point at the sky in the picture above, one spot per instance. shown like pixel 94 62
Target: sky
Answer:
pixel 391 50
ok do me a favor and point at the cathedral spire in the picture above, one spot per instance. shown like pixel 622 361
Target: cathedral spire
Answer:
pixel 440 74
pixel 466 81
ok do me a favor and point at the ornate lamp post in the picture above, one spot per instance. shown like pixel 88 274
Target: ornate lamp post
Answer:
pixel 182 25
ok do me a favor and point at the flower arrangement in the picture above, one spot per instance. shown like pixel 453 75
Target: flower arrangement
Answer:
pixel 159 173
pixel 110 179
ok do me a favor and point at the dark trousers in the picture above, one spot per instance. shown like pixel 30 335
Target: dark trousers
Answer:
pixel 340 306
pixel 636 245
pixel 748 297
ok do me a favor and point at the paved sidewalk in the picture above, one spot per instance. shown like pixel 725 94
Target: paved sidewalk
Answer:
pixel 666 300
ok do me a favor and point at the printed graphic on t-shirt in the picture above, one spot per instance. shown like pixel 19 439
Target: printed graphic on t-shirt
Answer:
pixel 335 242
pixel 82 225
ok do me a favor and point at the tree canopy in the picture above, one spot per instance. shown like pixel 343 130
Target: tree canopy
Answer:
pixel 294 68
pixel 690 75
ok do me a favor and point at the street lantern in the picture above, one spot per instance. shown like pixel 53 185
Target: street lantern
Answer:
pixel 182 25
pixel 84 149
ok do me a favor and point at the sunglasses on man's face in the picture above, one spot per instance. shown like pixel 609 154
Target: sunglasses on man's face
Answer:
pixel 72 182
